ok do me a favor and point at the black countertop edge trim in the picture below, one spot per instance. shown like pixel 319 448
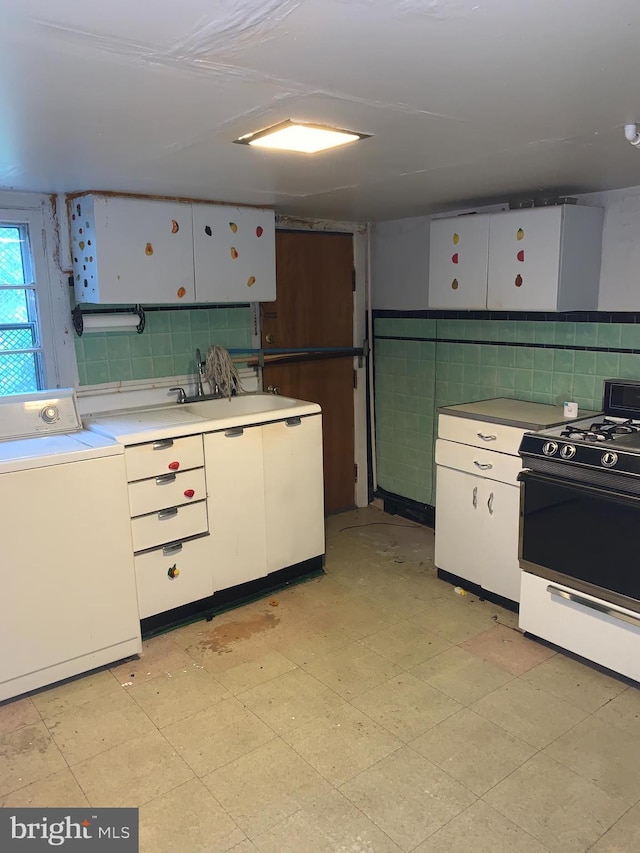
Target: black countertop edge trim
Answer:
pixel 532 345
pixel 540 316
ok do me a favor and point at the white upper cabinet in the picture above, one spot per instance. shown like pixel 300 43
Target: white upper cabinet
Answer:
pixel 458 262
pixel 129 250
pixel 538 259
pixel 234 253
pixel 545 259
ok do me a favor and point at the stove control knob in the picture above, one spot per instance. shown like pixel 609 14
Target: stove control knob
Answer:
pixel 568 451
pixel 549 448
pixel 609 459
pixel 50 414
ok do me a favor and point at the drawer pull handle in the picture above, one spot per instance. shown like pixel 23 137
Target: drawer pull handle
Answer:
pixel 174 548
pixel 167 513
pixel 163 479
pixel 593 605
pixel 173 572
pixel 235 432
pixel 173 465
pixel 163 444
pixel 293 422
pixel 490 504
pixel 189 493
pixel 486 437
pixel 483 466
pixel 475 497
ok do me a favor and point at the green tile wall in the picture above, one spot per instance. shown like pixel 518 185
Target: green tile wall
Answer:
pixel 462 363
pixel 165 348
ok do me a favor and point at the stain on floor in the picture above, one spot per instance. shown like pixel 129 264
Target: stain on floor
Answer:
pixel 222 638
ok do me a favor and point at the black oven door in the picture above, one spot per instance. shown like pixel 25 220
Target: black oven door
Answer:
pixel 582 536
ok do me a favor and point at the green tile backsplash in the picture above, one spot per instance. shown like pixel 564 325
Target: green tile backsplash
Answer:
pixel 165 348
pixel 463 362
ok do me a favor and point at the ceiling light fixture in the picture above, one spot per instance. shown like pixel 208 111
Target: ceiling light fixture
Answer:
pixel 299 136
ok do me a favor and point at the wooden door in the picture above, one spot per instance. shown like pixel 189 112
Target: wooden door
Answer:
pixel 314 308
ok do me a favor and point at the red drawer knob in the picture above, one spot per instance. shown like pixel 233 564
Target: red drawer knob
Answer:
pixel 174 466
pixel 189 493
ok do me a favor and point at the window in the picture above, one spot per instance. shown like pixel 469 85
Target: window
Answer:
pixel 20 346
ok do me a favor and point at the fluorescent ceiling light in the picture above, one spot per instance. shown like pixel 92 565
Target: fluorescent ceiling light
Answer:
pixel 296 136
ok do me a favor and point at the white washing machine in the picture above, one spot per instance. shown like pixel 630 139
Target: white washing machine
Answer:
pixel 68 600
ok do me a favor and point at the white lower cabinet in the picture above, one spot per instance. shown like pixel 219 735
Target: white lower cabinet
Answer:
pixel 173 575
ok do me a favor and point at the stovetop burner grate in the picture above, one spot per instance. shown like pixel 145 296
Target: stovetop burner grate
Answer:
pixel 605 430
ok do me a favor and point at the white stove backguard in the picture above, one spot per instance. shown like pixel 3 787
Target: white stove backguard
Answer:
pixel 45 412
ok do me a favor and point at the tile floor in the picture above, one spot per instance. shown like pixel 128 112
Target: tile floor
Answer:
pixel 370 710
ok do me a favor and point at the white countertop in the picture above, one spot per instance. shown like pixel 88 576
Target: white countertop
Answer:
pixel 518 413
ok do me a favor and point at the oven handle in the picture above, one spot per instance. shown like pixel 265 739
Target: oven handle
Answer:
pixel 593 605
pixel 608 494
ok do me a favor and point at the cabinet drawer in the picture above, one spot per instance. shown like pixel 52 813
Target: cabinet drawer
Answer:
pixel 169 525
pixel 479 461
pixel 163 457
pixel 167 490
pixel 174 575
pixel 504 439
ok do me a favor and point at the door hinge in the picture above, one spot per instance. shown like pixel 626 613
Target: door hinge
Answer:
pixel 353 279
pixel 355 472
pixel 355 378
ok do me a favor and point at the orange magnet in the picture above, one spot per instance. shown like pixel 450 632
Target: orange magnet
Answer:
pixel 454 284
pixel 454 258
pixel 148 250
pixel 251 281
pixel 181 291
pixel 456 239
pixel 174 227
pixel 81 244
pixel 519 234
pixel 173 572
pixel 233 227
pixel 518 281
pixel 234 253
pixel 520 255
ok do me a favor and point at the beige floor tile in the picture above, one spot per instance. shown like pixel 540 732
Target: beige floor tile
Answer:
pixel 90 728
pixel 100 686
pixel 623 711
pixel 508 649
pixel 17 713
pixel 342 743
pixel 575 682
pixel 304 645
pixel 352 670
pixel 132 773
pixel 331 824
pixel 397 600
pixel 529 713
pixel 169 698
pixel 291 700
pixel 246 675
pixel 266 786
pixel 27 755
pixel 213 737
pixel 624 835
pixel 245 846
pixel 461 675
pixel 473 750
pixel 555 805
pixel 603 754
pixel 480 829
pixel 159 656
pixel 188 819
pixel 407 796
pixel 405 644
pixel 60 790
pixel 406 706
pixel 456 618
pixel 359 617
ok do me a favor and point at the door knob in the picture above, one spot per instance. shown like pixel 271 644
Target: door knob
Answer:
pixel 270 339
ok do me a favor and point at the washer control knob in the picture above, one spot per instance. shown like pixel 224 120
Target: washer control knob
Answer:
pixel 50 414
pixel 568 451
pixel 549 448
pixel 609 459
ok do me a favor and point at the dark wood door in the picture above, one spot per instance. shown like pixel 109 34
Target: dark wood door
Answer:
pixel 314 308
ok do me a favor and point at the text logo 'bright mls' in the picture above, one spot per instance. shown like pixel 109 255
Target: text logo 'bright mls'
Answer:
pixel 32 830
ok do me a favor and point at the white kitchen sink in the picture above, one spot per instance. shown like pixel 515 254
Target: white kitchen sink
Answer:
pixel 243 404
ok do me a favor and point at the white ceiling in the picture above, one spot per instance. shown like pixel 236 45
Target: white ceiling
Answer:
pixel 467 101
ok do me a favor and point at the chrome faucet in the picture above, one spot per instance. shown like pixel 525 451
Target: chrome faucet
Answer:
pixel 199 375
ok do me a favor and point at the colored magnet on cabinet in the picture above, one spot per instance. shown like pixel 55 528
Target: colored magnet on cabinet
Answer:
pixel 207 230
pixel 454 284
pixel 173 572
pixel 251 281
pixel 518 281
pixel 520 255
pixel 456 239
pixel 79 230
pixel 78 210
pixel 173 466
pixel 189 493
pixel 180 292
pixel 259 231
pixel 234 253
pixel 90 259
pixel 148 250
pixel 73 216
pixel 174 227
pixel 233 227
pixel 454 258
pixel 81 244
pixel 519 234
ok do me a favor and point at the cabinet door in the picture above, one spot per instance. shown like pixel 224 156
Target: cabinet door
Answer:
pixel 135 250
pixel 293 488
pixel 234 253
pixel 235 486
pixel 524 259
pixel 501 517
pixel 460 511
pixel 458 254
